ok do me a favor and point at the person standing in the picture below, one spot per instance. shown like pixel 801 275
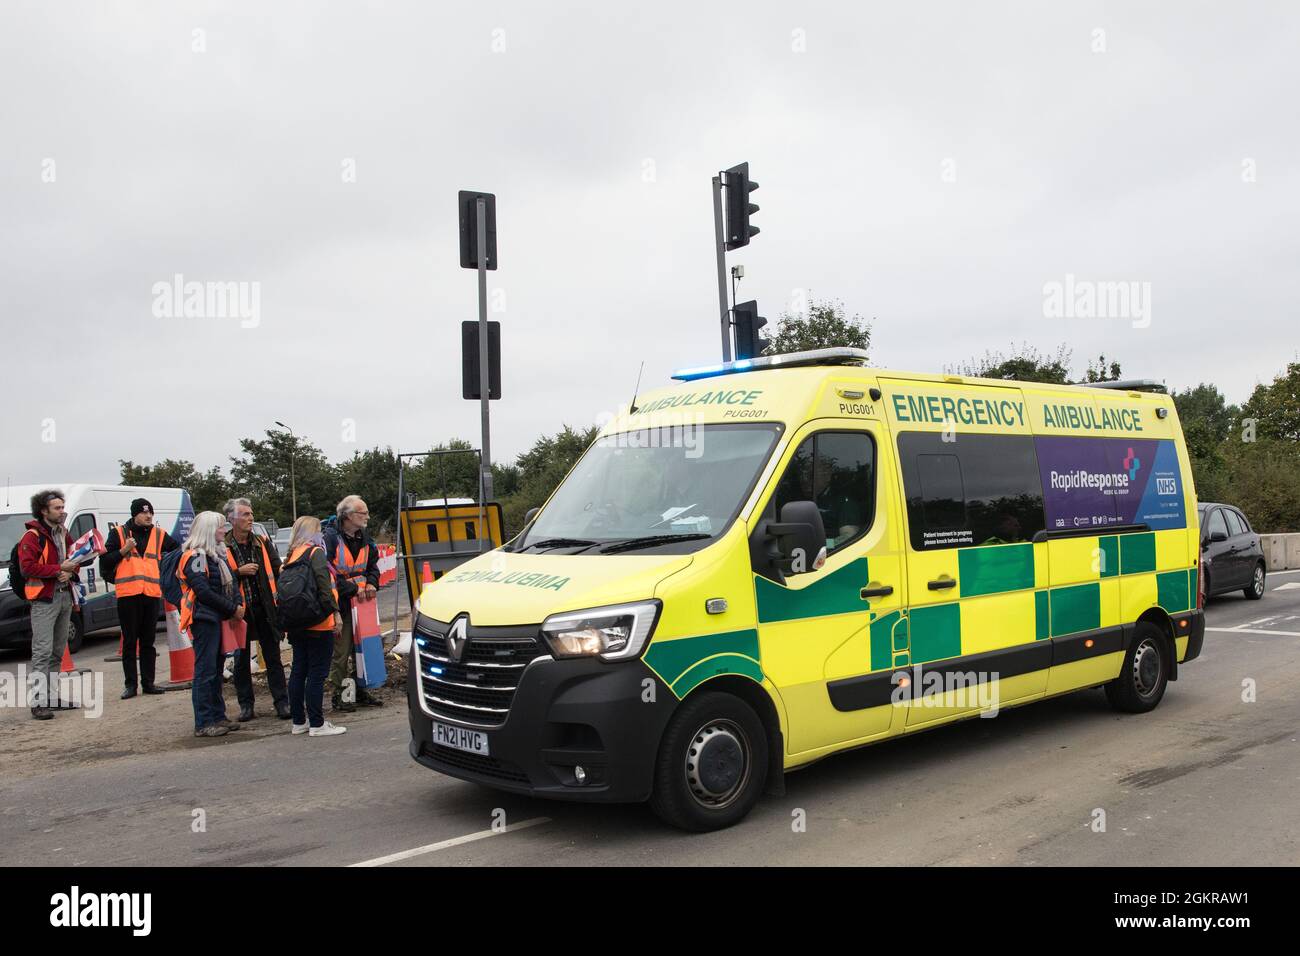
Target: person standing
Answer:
pixel 130 561
pixel 313 645
pixel 356 564
pixel 43 561
pixel 256 564
pixel 210 595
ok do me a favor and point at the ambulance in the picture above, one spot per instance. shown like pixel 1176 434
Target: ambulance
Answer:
pixel 780 559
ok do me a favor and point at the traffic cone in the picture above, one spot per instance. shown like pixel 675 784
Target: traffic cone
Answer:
pixel 426 576
pixel 180 652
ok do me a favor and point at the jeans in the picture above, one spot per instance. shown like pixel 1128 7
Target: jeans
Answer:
pixel 259 629
pixel 311 661
pixel 50 625
pixel 209 706
pixel 138 615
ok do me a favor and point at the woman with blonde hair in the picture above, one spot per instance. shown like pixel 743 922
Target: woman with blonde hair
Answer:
pixel 313 644
pixel 210 596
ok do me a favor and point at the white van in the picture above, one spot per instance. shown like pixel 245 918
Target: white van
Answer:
pixel 88 506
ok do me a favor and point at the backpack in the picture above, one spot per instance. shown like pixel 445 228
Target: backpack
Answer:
pixel 169 567
pixel 16 579
pixel 298 603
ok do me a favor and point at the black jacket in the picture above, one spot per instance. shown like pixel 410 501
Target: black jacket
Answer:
pixel 210 601
pixel 112 556
pixel 266 600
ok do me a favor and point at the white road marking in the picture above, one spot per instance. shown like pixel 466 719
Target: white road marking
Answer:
pixel 454 841
pixel 1248 630
pixel 1262 620
pixel 1289 586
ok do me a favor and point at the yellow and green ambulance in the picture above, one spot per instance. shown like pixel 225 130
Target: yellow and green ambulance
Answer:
pixel 783 558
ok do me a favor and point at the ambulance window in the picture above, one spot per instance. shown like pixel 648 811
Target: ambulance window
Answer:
pixel 837 470
pixel 976 489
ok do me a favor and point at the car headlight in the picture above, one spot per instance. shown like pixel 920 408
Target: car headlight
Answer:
pixel 614 633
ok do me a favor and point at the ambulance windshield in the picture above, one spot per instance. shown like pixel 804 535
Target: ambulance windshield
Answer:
pixel 653 487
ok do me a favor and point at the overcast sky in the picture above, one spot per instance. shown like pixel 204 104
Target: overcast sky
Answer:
pixel 934 166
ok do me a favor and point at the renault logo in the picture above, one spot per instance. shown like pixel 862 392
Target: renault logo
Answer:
pixel 457 638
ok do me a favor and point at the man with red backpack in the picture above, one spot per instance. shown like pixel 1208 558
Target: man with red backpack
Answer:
pixel 49 579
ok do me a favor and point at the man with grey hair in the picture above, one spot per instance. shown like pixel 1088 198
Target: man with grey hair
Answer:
pixel 356 562
pixel 255 563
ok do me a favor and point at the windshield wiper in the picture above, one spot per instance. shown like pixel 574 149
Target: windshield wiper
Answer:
pixel 560 543
pixel 650 540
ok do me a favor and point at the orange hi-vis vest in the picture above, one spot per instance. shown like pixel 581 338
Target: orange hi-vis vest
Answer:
pixel 266 561
pixel 304 551
pixel 34 586
pixel 354 571
pixel 187 593
pixel 138 573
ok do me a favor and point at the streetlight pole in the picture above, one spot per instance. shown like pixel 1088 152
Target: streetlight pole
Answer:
pixel 293 484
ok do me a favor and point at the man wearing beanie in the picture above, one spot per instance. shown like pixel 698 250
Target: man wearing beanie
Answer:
pixel 130 561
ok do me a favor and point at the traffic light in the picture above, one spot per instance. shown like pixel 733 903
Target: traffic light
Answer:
pixel 469 361
pixel 739 208
pixel 749 344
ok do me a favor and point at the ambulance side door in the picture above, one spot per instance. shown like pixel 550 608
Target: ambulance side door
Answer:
pixel 836 623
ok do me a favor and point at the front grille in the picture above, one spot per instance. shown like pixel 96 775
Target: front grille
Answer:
pixel 475 763
pixel 479 688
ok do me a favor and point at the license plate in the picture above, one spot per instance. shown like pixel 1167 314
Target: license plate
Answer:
pixel 458 738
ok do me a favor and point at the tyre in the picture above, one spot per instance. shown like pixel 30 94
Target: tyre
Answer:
pixel 712 764
pixel 1255 590
pixel 1145 673
pixel 76 634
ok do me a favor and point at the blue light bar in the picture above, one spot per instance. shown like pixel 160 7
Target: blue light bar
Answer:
pixel 836 356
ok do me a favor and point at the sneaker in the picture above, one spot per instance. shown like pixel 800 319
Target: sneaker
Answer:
pixel 326 730
pixel 212 730
pixel 230 725
pixel 299 729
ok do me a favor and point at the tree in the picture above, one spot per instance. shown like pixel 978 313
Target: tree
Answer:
pixel 208 490
pixel 1022 364
pixel 262 475
pixel 372 474
pixel 1025 363
pixel 825 326
pixel 1275 408
pixel 540 471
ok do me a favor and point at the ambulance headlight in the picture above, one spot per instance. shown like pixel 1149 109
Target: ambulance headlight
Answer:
pixel 615 633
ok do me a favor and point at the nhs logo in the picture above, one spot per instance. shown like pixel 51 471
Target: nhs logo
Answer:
pixel 1166 486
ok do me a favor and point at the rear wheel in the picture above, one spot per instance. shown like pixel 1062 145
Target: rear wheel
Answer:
pixel 1255 590
pixel 711 764
pixel 76 634
pixel 1143 678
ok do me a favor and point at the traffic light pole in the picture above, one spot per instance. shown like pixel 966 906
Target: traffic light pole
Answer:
pixel 485 390
pixel 720 242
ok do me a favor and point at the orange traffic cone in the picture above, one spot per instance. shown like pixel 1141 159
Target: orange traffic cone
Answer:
pixel 426 576
pixel 67 667
pixel 180 652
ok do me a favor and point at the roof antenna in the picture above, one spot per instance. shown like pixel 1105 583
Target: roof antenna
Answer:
pixel 635 391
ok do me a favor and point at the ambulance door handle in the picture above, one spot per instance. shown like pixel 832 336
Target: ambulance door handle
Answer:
pixel 877 592
pixel 942 584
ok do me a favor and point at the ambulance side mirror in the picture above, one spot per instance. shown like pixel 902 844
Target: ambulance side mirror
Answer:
pixel 801 537
pixel 529 515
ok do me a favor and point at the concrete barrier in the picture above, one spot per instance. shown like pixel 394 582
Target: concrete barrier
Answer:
pixel 1292 551
pixel 1274 546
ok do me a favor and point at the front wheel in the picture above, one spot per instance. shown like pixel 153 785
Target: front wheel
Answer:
pixel 1255 590
pixel 1143 678
pixel 712 764
pixel 76 634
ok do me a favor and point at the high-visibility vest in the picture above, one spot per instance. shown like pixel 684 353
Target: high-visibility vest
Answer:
pixel 266 561
pixel 138 573
pixel 354 571
pixel 306 549
pixel 35 586
pixel 187 593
